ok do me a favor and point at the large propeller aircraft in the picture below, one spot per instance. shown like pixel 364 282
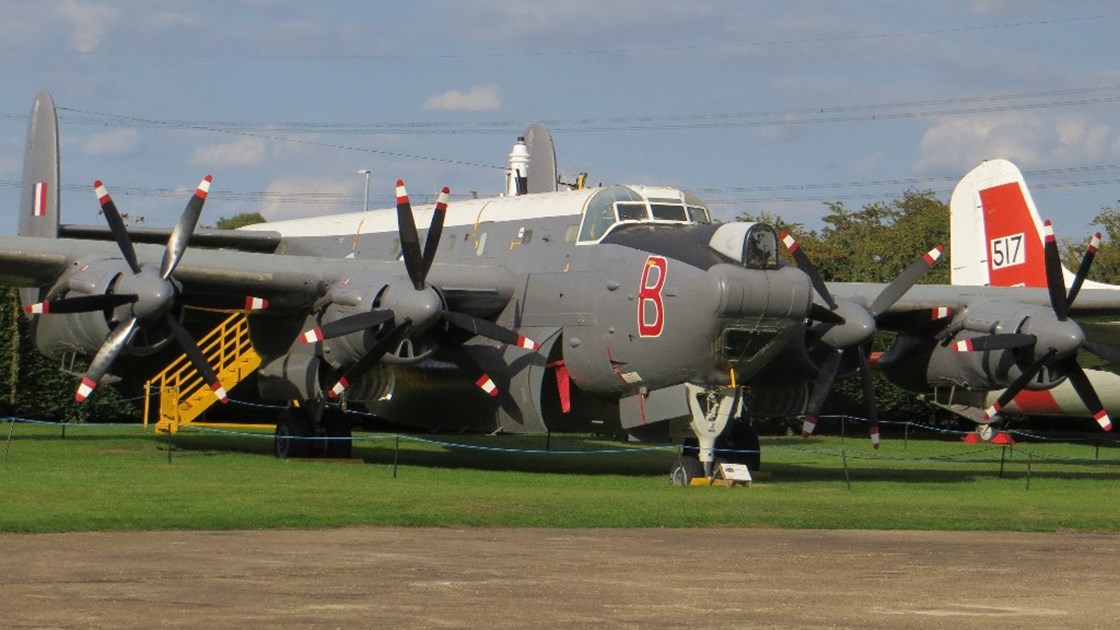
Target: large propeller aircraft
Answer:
pixel 615 309
pixel 999 239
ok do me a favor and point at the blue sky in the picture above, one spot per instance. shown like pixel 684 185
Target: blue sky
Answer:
pixel 758 106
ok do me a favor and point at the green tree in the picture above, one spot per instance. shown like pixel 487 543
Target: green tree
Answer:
pixel 37 387
pixel 239 220
pixel 875 244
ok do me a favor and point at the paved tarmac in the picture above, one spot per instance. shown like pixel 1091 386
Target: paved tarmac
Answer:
pixel 552 578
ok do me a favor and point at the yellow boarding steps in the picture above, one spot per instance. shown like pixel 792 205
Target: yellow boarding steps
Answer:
pixel 183 394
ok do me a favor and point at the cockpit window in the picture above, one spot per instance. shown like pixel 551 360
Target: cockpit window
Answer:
pixel 630 211
pixel 699 214
pixel 599 215
pixel 760 248
pixel 617 204
pixel 668 212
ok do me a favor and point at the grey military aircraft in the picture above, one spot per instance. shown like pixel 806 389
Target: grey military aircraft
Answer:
pixel 614 309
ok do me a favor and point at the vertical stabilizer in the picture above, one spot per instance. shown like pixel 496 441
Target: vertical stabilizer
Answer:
pixel 38 207
pixel 995 232
pixel 542 159
pixel 994 229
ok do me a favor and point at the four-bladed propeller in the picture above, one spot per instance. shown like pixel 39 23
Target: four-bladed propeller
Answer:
pixel 852 334
pixel 401 318
pixel 1055 342
pixel 151 296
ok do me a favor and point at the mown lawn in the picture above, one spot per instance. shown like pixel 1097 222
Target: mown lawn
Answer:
pixel 108 478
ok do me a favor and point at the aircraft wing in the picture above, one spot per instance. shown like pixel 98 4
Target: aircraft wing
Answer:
pixel 253 241
pixel 287 281
pixel 1092 304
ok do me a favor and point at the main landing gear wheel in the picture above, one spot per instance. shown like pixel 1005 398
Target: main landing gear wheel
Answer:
pixel 292 429
pixel 340 442
pixel 685 470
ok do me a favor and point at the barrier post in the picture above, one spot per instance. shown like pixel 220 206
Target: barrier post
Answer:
pixel 847 477
pixel 1002 457
pixel 1029 457
pixel 11 429
pixel 396 456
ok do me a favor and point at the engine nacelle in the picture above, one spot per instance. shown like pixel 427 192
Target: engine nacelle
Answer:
pixel 84 333
pixel 353 296
pixel 920 363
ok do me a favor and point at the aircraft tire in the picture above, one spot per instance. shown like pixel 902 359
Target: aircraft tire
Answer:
pixel 743 437
pixel 291 424
pixel 685 470
pixel 341 443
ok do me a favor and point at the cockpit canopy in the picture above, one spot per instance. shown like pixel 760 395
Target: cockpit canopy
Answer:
pixel 615 205
pixel 754 245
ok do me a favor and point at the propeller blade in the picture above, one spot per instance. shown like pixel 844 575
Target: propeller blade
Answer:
pixel 194 353
pixel 1008 341
pixel 825 377
pixel 869 397
pixel 222 301
pixel 1055 283
pixel 490 330
pixel 370 358
pixel 116 226
pixel 435 231
pixel 346 325
pixel 1106 352
pixel 105 356
pixel 82 304
pixel 1017 385
pixel 410 238
pixel 1083 269
pixel 473 370
pixel 820 313
pixel 181 235
pixel 1087 394
pixel 807 266
pixel 908 278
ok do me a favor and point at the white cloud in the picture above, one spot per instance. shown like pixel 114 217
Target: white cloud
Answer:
pixel 241 152
pixel 296 197
pixel 117 142
pixel 480 98
pixel 1029 141
pixel 89 21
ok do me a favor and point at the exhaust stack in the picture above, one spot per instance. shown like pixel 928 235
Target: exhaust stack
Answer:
pixel 517 177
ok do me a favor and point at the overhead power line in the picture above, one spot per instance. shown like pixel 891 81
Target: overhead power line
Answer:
pixel 928 108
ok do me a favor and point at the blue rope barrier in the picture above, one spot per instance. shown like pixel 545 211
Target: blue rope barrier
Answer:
pixel 970 456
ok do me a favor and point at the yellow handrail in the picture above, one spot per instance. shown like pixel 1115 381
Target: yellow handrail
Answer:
pixel 183 393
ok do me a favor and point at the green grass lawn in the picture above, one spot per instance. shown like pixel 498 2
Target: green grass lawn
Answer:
pixel 108 478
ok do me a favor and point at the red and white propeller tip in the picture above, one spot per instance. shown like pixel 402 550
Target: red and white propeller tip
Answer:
pixel 486 384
